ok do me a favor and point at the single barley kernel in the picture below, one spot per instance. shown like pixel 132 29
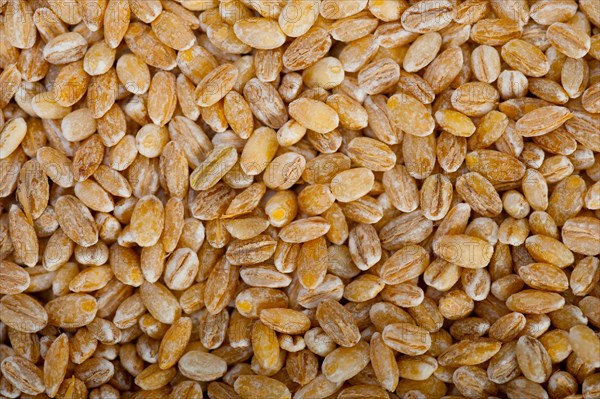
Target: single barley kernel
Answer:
pixel 344 363
pixel 455 123
pixel 12 134
pixel 410 115
pixel 406 338
pixel 463 250
pixel 314 115
pixel 352 184
pixel 259 151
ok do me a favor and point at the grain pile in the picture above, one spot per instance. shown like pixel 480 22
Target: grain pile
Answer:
pixel 267 199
